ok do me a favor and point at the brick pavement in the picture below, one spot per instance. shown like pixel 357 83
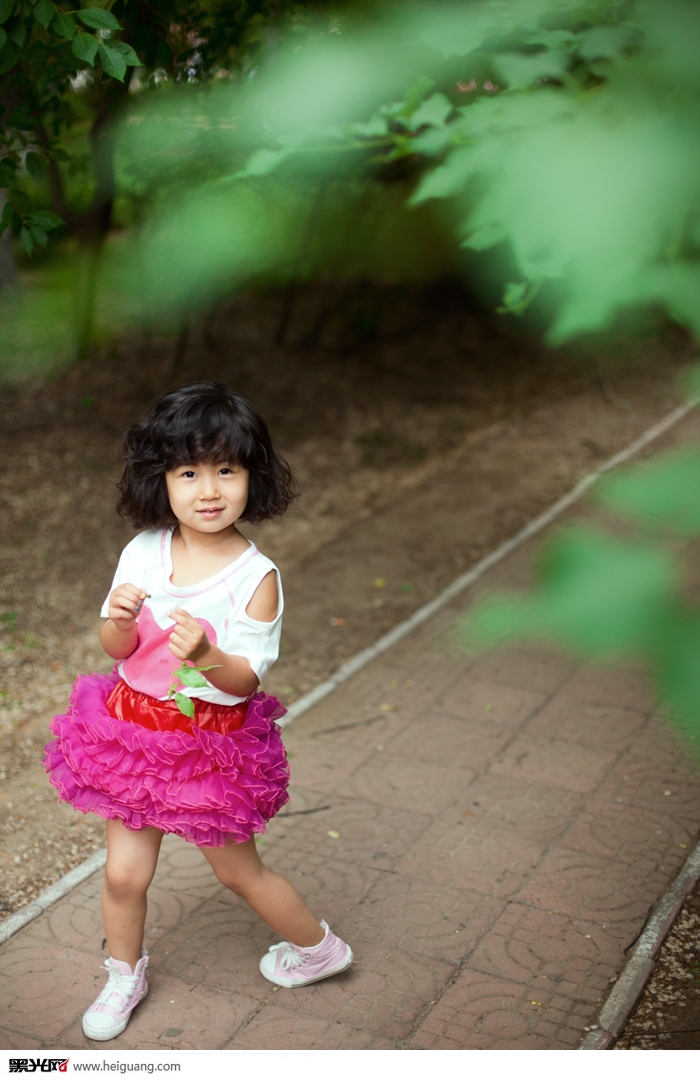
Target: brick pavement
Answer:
pixel 489 833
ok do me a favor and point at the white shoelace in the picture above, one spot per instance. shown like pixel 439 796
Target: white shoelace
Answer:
pixel 290 957
pixel 117 987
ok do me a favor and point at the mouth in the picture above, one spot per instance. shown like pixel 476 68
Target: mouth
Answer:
pixel 211 512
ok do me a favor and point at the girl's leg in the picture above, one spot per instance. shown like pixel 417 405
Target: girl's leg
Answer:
pixel 272 897
pixel 131 864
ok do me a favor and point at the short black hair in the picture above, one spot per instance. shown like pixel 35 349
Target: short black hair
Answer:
pixel 203 421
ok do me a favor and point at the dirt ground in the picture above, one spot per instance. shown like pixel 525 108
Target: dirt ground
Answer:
pixel 422 433
pixel 668 1015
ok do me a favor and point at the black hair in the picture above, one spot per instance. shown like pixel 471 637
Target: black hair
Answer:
pixel 203 421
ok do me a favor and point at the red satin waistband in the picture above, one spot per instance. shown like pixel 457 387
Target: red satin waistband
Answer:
pixel 137 708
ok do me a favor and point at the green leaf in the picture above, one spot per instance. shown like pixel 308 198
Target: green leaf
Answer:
pixel 113 62
pixel 18 32
pixel 85 47
pixel 189 676
pixel 434 111
pixel 97 18
pixel 8 58
pixel 44 12
pixel 46 219
pixel 665 492
pixel 25 239
pixel 127 52
pixel 6 217
pixel 8 169
pixel 58 154
pixel 38 235
pixel 3 39
pixel 185 704
pixel 63 26
pixel 263 162
pixel 521 71
pixel 6 7
pixel 36 166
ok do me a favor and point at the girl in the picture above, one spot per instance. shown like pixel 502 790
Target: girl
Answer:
pixel 190 592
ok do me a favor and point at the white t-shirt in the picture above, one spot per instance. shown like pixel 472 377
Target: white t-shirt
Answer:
pixel 218 604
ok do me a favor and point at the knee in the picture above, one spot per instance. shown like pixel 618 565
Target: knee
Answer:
pixel 124 881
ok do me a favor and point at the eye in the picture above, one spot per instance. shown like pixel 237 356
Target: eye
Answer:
pixel 188 473
pixel 227 470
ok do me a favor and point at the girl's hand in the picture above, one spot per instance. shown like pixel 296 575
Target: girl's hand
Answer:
pixel 188 640
pixel 125 603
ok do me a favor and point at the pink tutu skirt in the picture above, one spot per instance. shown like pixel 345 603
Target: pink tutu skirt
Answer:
pixel 204 786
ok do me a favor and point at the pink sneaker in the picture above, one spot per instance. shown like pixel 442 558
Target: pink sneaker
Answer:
pixel 289 965
pixel 108 1016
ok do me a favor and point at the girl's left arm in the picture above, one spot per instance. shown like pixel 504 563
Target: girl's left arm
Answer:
pixel 230 674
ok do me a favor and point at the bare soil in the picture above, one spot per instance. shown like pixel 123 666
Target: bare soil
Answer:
pixel 422 434
pixel 668 1015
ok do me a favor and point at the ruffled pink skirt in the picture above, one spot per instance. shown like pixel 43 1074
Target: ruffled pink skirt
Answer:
pixel 203 786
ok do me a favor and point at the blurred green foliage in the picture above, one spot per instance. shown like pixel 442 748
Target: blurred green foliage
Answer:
pixel 560 137
pixel 620 597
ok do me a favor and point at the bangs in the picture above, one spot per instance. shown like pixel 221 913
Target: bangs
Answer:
pixel 206 433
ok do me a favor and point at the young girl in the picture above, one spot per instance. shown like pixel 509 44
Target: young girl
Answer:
pixel 209 766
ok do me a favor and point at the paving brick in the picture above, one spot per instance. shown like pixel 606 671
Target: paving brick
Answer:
pixel 550 761
pixel 406 784
pixel 383 992
pixel 329 887
pixel 278 1028
pixel 534 811
pixel 593 888
pixel 528 668
pixel 43 988
pixel 425 917
pixel 481 1012
pixel 535 947
pixel 603 685
pixel 175 1014
pixel 482 856
pixel 322 762
pixel 16 1040
pixel 358 831
pixel 490 703
pixel 442 740
pixel 581 723
pixel 627 833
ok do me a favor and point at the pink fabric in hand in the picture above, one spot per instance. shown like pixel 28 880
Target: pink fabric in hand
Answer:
pixel 149 669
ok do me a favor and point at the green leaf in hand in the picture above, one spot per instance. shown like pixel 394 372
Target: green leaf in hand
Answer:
pixel 189 676
pixel 185 704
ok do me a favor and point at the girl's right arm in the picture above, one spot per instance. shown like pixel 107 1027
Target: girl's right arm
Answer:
pixel 120 634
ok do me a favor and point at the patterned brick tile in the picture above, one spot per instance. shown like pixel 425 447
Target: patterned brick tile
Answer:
pixel 581 723
pixel 43 989
pixel 330 888
pixel 442 740
pixel 422 916
pixel 535 947
pixel 175 1015
pixel 384 991
pixel 408 785
pixel 596 889
pixel 490 703
pixel 628 833
pixel 278 1028
pixel 15 1040
pixel 355 830
pixel 601 685
pixel 528 668
pixel 322 762
pixel 481 856
pixel 481 1012
pixel 550 761
pixel 183 869
pixel 220 945
pixel 534 811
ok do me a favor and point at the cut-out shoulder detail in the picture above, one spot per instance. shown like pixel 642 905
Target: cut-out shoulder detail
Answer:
pixel 263 605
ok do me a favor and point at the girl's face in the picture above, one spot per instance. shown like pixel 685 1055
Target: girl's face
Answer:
pixel 208 497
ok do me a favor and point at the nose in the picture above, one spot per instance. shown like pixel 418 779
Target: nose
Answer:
pixel 208 488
